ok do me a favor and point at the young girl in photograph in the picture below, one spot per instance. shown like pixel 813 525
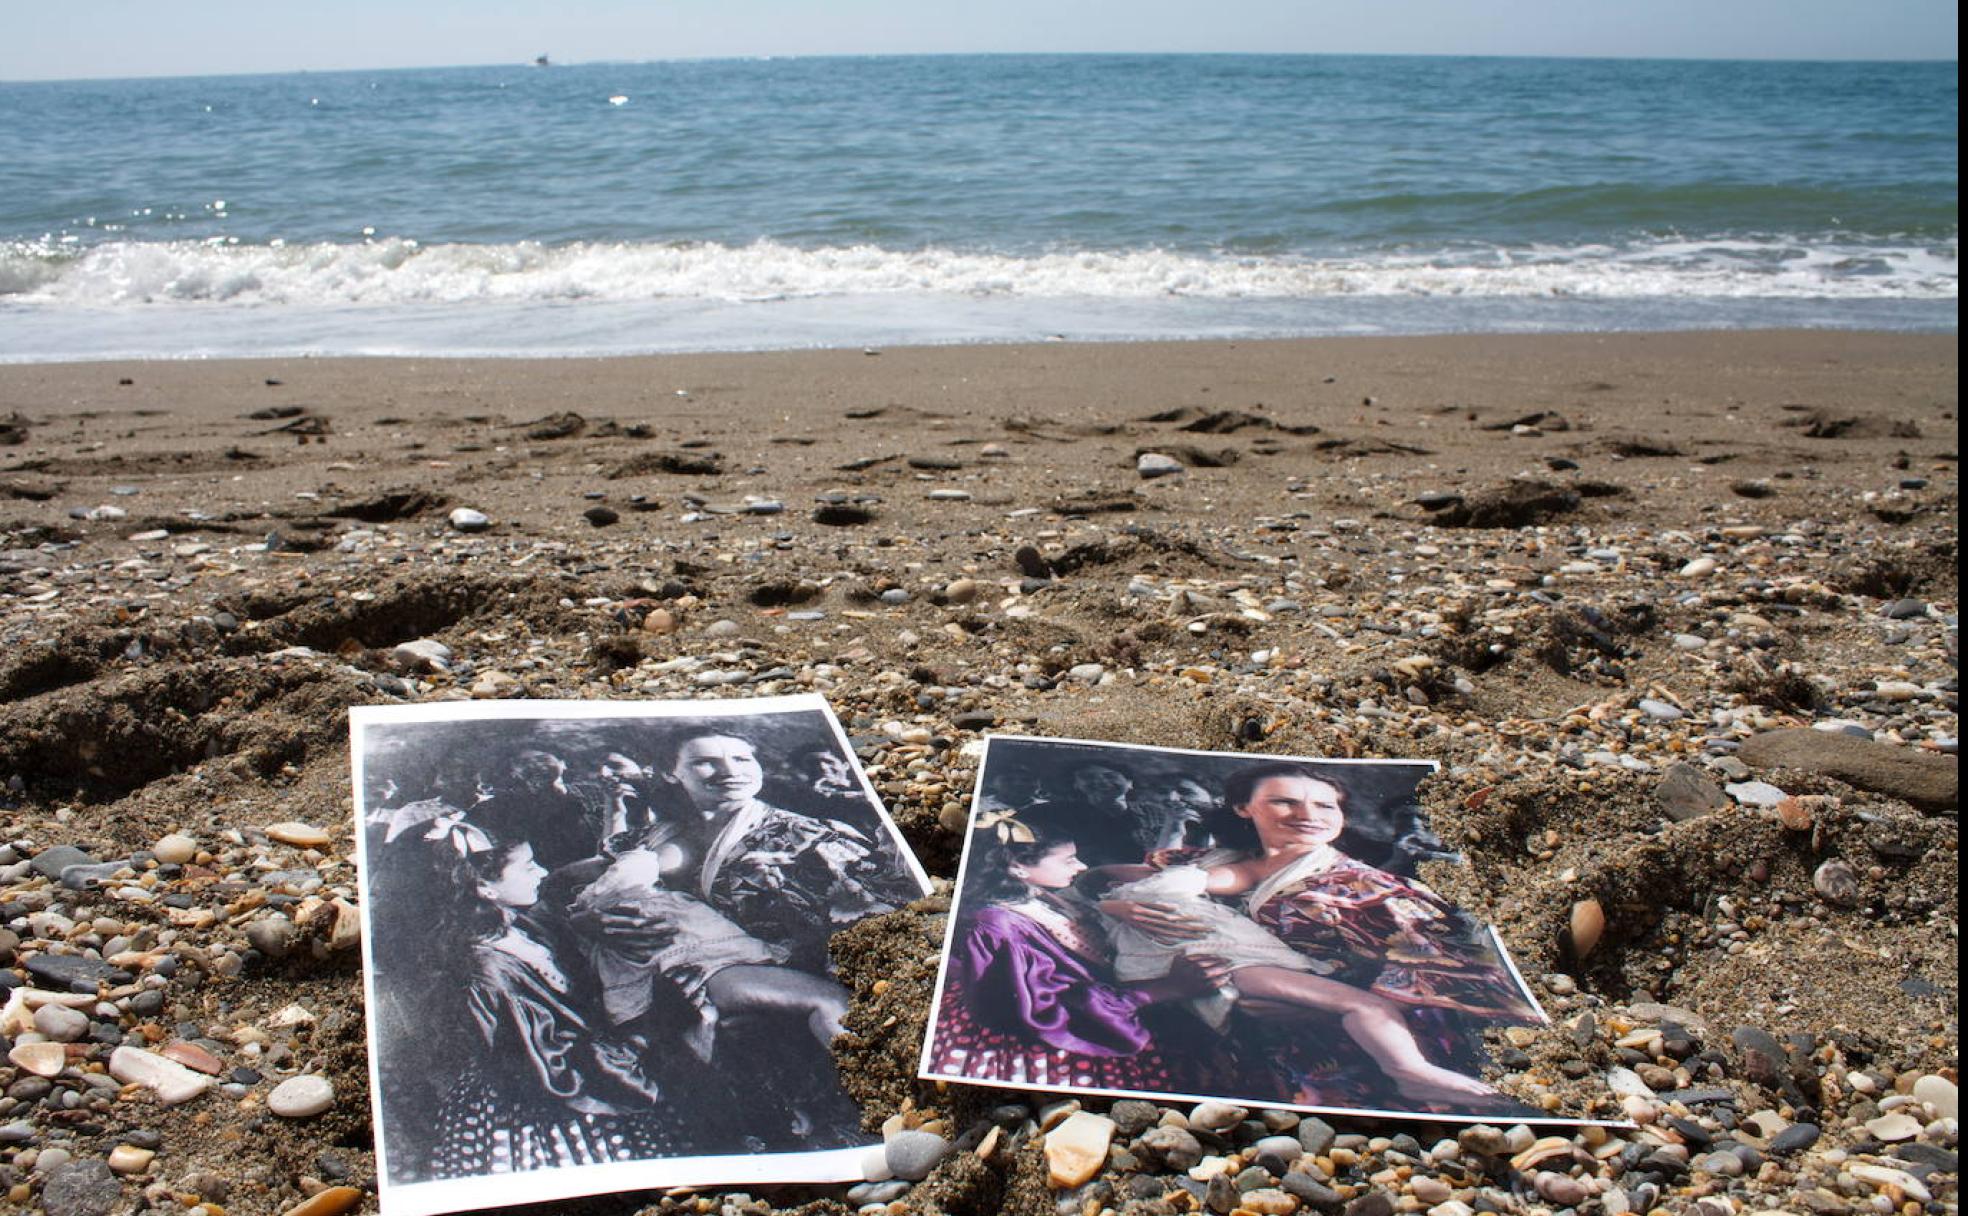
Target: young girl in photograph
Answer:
pixel 544 1087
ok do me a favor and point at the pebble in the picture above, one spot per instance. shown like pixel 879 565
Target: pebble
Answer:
pixel 1268 1201
pixel 1685 793
pixel 1941 1094
pixel 1076 1150
pixel 1661 711
pixel 60 1023
pixel 40 1059
pixel 175 849
pixel 1315 1135
pixel 913 1154
pixel 129 1159
pixel 1151 465
pixel 333 1201
pixel 1755 793
pixel 1701 567
pixel 1894 1127
pixel 1175 1146
pixel 171 1082
pixel 81 1188
pixel 465 519
pixel 1837 882
pixel 301 1097
pixel 1795 1138
pixel 300 835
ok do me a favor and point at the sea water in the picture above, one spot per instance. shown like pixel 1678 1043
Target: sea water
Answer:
pixel 626 207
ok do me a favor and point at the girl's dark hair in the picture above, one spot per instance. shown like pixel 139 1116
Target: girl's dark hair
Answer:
pixel 991 880
pixel 1232 830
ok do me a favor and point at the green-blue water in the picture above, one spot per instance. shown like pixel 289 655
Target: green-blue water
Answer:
pixel 853 201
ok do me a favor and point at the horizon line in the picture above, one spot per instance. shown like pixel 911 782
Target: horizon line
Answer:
pixel 545 61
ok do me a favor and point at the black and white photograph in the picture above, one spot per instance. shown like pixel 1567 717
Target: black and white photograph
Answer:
pixel 1164 923
pixel 596 937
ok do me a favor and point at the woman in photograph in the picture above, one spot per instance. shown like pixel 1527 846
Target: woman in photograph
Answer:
pixel 1030 997
pixel 1389 938
pixel 545 1087
pixel 790 879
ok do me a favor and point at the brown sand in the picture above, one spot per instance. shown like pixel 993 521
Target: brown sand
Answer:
pixel 145 688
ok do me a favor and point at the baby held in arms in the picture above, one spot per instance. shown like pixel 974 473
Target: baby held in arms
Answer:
pixel 720 968
pixel 1260 967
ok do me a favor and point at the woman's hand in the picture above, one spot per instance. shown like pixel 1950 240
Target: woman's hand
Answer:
pixel 1164 922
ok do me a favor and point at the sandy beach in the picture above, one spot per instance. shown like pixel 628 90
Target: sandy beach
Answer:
pixel 1599 577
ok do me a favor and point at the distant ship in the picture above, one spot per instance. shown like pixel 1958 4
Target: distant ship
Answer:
pixel 540 61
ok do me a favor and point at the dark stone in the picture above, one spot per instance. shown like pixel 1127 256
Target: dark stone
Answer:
pixel 1131 1115
pixel 935 464
pixel 981 719
pixel 1437 500
pixel 1373 1203
pixel 1315 1135
pixel 1220 1195
pixel 1692 1132
pixel 1764 1060
pixel 601 517
pixel 1311 1192
pixel 1932 1155
pixel 1928 780
pixel 1685 793
pixel 50 862
pixel 1031 563
pixel 70 973
pixel 81 1188
pixel 1905 610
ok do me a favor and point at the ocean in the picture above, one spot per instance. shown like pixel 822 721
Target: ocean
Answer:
pixel 790 203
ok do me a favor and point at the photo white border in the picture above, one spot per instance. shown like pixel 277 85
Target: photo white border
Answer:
pixel 841 1165
pixel 923 1072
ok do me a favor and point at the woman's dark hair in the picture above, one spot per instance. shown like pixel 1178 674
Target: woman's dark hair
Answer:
pixel 1232 830
pixel 991 880
pixel 672 748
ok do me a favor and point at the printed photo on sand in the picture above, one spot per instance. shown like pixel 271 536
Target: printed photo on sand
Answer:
pixel 597 943
pixel 1165 923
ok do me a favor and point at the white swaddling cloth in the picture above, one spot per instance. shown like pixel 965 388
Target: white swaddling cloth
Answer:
pixel 1231 936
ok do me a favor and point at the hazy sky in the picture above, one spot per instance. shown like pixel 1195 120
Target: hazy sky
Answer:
pixel 40 39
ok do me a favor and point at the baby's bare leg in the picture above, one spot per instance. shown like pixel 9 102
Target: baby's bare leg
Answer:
pixel 1373 1022
pixel 757 986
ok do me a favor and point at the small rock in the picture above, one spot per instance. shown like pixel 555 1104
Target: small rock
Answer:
pixel 913 1154
pixel 1151 465
pixel 171 1082
pixel 334 1201
pixel 1894 1127
pixel 1077 1149
pixel 1132 1116
pixel 1316 1135
pixel 1795 1138
pixel 1173 1146
pixel 1268 1201
pixel 961 591
pixel 1685 793
pixel 175 849
pixel 1941 1094
pixel 39 1059
pixel 300 835
pixel 1837 882
pixel 602 517
pixel 1755 793
pixel 464 519
pixel 129 1159
pixel 1661 711
pixel 81 1188
pixel 301 1097
pixel 1373 1203
pixel 273 936
pixel 60 1023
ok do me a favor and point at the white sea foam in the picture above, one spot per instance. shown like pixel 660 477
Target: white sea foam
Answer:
pixel 402 272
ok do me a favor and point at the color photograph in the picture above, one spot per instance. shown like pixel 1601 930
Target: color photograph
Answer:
pixel 1154 922
pixel 598 943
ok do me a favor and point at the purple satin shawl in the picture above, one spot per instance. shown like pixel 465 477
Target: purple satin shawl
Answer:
pixel 1017 978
